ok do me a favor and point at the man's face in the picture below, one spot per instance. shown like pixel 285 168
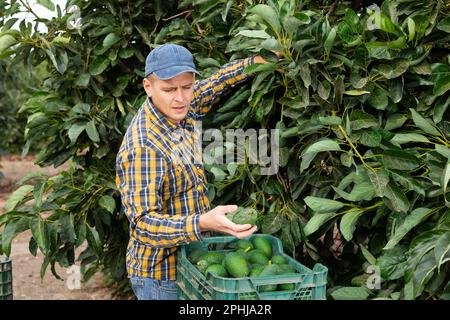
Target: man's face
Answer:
pixel 171 97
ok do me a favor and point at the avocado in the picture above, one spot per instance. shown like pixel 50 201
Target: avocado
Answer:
pixel 286 286
pixel 245 215
pixel 213 257
pixel 269 270
pixel 216 269
pixel 244 245
pixel 195 255
pixel 257 257
pixel 264 245
pixel 236 265
pixel 256 270
pixel 202 265
pixel 278 259
pixel 243 253
pixel 285 269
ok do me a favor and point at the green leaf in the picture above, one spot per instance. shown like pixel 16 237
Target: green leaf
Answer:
pixel 110 40
pixel 272 223
pixel 348 223
pixel 356 92
pixel 219 174
pixel 317 221
pixel 108 203
pixel 440 107
pixel 357 81
pixel 259 67
pixel 40 234
pixel 47 4
pixel 395 121
pixel 444 25
pixel 402 138
pixel 369 257
pixel 442 250
pixel 67 228
pixel 92 132
pixel 94 240
pixel 371 138
pixel 75 130
pixel 444 182
pixel 83 80
pixel 407 181
pixel 394 68
pixel 291 23
pixel 378 98
pixel 380 180
pixel 81 108
pixel 330 121
pixel 400 160
pixel 319 146
pixel 396 89
pixel 6 41
pixel 412 220
pixel 17 196
pixel 443 150
pixel 323 204
pixel 393 263
pixel 426 125
pixel 361 191
pixel 12 228
pixel 258 34
pixel 351 293
pixel 328 44
pixel 360 119
pixel 271 44
pixel 441 86
pixel 98 65
pixel 396 198
pixel 269 15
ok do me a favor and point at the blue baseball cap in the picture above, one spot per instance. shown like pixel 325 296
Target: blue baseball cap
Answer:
pixel 169 60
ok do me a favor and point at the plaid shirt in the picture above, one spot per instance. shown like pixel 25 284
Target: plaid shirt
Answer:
pixel 162 196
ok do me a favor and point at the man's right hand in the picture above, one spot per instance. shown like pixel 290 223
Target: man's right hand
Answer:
pixel 216 220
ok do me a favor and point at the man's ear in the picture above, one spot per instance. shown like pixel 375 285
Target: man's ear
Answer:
pixel 147 84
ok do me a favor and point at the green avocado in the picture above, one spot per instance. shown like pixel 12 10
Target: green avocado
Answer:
pixel 236 265
pixel 269 270
pixel 256 270
pixel 202 265
pixel 263 244
pixel 244 245
pixel 278 259
pixel 216 269
pixel 285 269
pixel 245 215
pixel 257 257
pixel 213 257
pixel 195 255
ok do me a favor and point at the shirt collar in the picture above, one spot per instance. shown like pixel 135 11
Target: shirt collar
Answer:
pixel 158 118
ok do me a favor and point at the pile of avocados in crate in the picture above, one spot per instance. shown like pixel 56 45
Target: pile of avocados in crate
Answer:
pixel 248 259
pixel 254 268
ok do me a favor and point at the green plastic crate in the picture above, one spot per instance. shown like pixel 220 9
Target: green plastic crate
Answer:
pixel 6 290
pixel 193 285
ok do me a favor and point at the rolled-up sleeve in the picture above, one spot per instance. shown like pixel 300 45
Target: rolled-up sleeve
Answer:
pixel 140 177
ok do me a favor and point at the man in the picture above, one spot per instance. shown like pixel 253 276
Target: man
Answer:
pixel 163 188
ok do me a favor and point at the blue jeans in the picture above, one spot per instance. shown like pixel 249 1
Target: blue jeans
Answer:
pixel 151 289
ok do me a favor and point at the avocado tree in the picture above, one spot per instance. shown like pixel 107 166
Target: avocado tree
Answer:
pixel 360 99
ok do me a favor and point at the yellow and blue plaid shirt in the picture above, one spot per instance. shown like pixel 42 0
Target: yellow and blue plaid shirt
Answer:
pixel 162 196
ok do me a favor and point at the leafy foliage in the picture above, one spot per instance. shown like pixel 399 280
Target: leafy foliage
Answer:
pixel 361 99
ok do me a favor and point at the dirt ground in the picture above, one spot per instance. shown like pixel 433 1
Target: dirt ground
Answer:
pixel 27 284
